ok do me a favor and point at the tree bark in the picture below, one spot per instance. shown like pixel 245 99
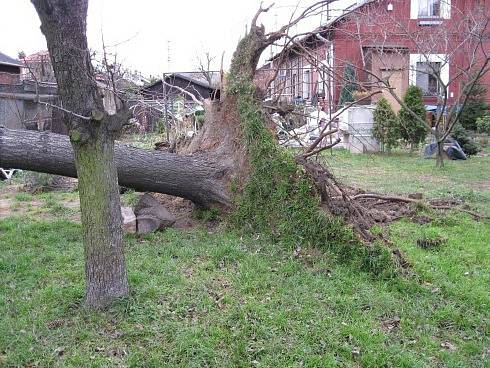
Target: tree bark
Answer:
pixel 440 148
pixel 92 132
pixel 194 177
pixel 100 210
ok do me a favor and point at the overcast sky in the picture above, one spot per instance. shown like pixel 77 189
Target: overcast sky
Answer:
pixel 144 30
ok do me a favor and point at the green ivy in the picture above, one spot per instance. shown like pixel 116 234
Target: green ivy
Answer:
pixel 279 198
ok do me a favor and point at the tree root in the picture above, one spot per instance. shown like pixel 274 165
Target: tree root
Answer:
pixel 475 215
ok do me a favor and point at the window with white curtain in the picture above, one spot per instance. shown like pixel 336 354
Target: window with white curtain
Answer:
pixel 429 8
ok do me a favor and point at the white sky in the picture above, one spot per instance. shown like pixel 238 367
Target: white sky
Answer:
pixel 143 29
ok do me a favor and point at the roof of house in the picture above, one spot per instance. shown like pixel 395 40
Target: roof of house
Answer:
pixel 331 23
pixel 7 60
pixel 193 77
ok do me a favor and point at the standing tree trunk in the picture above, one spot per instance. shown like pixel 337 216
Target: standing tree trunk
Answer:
pixel 440 148
pixel 105 270
pixel 92 133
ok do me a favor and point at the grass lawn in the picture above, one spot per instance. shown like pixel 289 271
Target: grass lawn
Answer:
pixel 202 299
pixel 400 173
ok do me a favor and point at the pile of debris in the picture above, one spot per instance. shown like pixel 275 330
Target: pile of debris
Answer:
pixel 6 174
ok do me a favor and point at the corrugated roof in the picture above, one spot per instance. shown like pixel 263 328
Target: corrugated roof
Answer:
pixel 7 60
pixel 193 77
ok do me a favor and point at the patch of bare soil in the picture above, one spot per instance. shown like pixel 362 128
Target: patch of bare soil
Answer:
pixel 55 183
pixel 386 211
pixel 4 208
pixel 9 206
pixel 481 185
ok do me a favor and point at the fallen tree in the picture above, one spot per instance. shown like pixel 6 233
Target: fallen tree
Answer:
pixel 236 163
pixel 194 177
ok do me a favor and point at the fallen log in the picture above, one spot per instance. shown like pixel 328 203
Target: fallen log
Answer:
pixel 194 177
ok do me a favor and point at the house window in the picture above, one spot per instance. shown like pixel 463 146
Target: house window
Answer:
pixel 427 77
pixel 294 81
pixel 270 90
pixel 306 83
pixel 429 8
pixel 321 83
pixel 423 9
pixel 282 74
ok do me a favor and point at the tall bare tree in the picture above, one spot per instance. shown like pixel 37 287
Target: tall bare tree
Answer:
pixel 92 132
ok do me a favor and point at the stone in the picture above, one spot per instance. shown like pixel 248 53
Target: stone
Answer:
pixel 147 224
pixel 146 200
pixel 152 215
pixel 159 212
pixel 129 220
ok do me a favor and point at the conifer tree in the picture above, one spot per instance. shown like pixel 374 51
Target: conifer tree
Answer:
pixel 349 86
pixel 413 130
pixel 386 126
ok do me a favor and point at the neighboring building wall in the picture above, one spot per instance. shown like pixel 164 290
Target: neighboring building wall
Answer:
pixel 9 74
pixel 19 110
pixel 149 110
pixel 40 65
pixel 16 113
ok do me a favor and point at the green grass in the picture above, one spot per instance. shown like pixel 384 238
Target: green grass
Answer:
pixel 221 300
pixel 401 173
pixel 130 198
pixel 144 141
pixel 24 197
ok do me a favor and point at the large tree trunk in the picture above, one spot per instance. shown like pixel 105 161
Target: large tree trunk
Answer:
pixel 100 209
pixel 92 132
pixel 195 177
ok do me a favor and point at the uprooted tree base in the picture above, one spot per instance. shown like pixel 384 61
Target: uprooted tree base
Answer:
pixel 291 199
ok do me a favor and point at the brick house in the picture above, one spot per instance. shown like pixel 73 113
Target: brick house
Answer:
pixel 417 42
pixel 39 64
pixel 10 69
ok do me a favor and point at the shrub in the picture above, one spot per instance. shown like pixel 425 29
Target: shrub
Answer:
pixel 464 139
pixel 483 124
pixel 349 86
pixel 475 106
pixel 386 126
pixel 412 130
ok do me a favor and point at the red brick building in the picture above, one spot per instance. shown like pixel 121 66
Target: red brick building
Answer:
pixel 435 44
pixel 10 69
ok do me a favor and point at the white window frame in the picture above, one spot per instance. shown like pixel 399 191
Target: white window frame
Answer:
pixel 431 58
pixel 322 81
pixel 445 11
pixel 307 84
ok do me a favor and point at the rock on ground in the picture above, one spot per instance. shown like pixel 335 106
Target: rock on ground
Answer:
pixel 129 220
pixel 151 215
